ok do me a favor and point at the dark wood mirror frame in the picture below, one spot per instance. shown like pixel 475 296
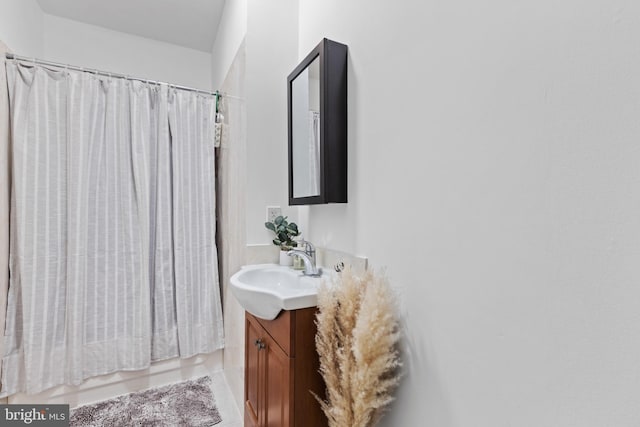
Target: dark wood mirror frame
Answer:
pixel 333 123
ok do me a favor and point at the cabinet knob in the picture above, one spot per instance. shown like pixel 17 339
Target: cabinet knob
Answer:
pixel 258 343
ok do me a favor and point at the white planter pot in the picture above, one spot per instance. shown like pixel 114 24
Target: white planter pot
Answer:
pixel 285 259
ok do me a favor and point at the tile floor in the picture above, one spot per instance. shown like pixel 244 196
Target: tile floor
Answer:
pixel 225 402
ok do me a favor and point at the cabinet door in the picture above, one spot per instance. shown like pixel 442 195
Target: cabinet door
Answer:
pixel 253 381
pixel 278 386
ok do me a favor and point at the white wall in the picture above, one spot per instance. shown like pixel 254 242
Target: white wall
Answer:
pixel 232 161
pixel 494 168
pixel 231 32
pixel 90 46
pixel 21 23
pixel 27 31
pixel 271 49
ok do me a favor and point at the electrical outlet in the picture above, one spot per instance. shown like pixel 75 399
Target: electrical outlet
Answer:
pixel 273 212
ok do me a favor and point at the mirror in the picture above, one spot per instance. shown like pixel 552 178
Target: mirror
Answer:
pixel 305 131
pixel 317 109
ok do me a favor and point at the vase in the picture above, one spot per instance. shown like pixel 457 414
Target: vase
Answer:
pixel 285 259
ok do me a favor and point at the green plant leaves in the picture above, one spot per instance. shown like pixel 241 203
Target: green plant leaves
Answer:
pixel 293 229
pixel 283 230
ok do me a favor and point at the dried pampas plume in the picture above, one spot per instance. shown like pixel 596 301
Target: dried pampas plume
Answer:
pixel 357 341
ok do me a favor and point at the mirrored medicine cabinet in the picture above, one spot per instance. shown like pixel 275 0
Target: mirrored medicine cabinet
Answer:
pixel 317 118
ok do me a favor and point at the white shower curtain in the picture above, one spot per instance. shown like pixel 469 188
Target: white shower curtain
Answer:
pixel 113 261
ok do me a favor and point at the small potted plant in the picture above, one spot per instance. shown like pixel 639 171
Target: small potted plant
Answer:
pixel 285 231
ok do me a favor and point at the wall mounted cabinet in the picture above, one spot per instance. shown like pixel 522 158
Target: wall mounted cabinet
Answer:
pixel 317 117
pixel 281 368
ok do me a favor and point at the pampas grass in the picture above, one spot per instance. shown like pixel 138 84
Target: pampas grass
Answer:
pixel 357 342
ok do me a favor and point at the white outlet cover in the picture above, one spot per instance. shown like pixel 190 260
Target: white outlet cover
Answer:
pixel 273 212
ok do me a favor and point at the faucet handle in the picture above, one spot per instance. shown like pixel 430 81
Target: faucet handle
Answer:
pixel 308 246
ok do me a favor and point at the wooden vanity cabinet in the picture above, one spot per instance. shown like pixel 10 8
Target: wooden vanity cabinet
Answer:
pixel 281 367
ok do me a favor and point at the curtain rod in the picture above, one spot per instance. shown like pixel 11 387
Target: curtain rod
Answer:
pixel 108 74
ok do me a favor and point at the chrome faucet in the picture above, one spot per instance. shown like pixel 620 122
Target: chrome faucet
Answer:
pixel 308 256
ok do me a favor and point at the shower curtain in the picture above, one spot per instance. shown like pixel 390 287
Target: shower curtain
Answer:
pixel 113 262
pixel 4 195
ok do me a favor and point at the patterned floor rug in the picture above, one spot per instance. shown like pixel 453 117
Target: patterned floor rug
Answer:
pixel 188 403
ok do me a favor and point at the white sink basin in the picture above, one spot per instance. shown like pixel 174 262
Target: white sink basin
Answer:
pixel 264 290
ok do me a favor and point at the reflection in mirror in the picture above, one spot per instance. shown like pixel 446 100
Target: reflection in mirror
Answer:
pixel 305 129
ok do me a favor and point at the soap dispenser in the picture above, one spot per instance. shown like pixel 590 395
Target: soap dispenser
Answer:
pixel 298 263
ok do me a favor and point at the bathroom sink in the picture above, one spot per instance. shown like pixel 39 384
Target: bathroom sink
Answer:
pixel 266 289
